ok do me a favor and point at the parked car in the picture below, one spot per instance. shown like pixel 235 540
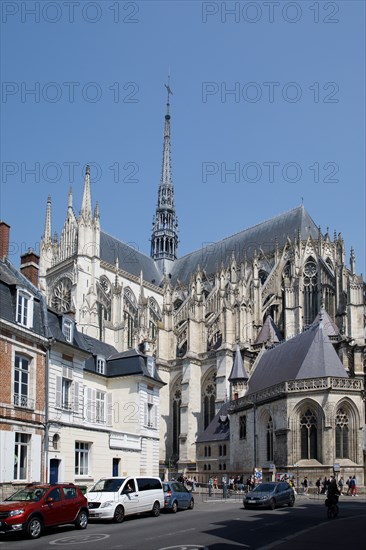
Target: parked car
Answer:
pixel 116 497
pixel 43 505
pixel 177 496
pixel 270 495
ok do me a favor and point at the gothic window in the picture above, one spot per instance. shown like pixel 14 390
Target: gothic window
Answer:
pixel 269 439
pixel 242 427
pixel 176 404
pixel 61 295
pixel 130 316
pixel 328 297
pixel 310 292
pixel 104 303
pixel 154 318
pixel 309 435
pixel 208 399
pixel 342 434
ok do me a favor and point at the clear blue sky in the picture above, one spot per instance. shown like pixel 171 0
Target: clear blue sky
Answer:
pixel 298 72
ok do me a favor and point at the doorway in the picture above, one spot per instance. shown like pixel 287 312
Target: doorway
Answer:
pixel 54 470
pixel 115 467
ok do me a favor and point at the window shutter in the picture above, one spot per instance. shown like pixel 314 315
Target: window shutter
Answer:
pixel 89 406
pixel 146 416
pixel 76 397
pixel 92 406
pixel 109 409
pixel 155 416
pixel 58 391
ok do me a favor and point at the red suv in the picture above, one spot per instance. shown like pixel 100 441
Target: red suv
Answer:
pixel 43 505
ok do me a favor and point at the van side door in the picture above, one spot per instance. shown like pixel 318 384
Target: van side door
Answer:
pixel 129 496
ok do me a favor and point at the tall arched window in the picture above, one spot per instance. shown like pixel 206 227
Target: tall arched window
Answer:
pixel 130 316
pixel 209 399
pixel 176 403
pixel 309 435
pixel 269 439
pixel 310 291
pixel 342 434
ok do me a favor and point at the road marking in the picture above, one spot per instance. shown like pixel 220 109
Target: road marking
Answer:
pixel 79 540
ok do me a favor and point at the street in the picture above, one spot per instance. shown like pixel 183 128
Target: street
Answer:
pixel 217 525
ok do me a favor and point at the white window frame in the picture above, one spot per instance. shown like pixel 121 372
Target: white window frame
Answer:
pixel 100 364
pixel 21 456
pixel 66 394
pixel 82 458
pixel 100 407
pixel 22 399
pixel 68 329
pixel 24 311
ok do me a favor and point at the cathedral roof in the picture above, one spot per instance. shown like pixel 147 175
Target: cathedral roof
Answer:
pixel 308 355
pixel 264 235
pixel 269 332
pixel 129 258
pixel 243 244
pixel 219 428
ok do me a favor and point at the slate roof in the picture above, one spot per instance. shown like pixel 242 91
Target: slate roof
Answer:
pixel 269 332
pixel 126 363
pixel 216 430
pixel 129 259
pixel 330 327
pixel 210 257
pixel 263 235
pixel 308 355
pixel 238 371
pixel 10 279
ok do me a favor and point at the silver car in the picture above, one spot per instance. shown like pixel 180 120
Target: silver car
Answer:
pixel 270 495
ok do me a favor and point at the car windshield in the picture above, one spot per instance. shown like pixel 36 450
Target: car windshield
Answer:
pixel 107 485
pixel 29 494
pixel 265 488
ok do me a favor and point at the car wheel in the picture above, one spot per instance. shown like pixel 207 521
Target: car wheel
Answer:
pixel 191 505
pixel 272 504
pixel 155 510
pixel 119 514
pixel 34 528
pixel 291 502
pixel 175 507
pixel 82 520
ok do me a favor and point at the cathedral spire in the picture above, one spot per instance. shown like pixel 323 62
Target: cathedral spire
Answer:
pixel 164 239
pixel 86 211
pixel 47 228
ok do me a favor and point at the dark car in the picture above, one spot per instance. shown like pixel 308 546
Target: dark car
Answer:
pixel 270 495
pixel 177 497
pixel 38 506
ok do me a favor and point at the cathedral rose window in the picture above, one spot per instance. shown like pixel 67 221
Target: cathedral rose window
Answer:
pixel 61 295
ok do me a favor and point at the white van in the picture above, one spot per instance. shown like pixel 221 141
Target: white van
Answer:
pixel 116 497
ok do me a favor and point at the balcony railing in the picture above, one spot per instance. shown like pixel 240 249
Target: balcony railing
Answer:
pixel 23 401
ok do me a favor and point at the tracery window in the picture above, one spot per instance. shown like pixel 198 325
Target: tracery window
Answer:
pixel 209 399
pixel 309 435
pixel 269 439
pixel 130 316
pixel 61 295
pixel 310 292
pixel 104 303
pixel 154 318
pixel 342 434
pixel 176 403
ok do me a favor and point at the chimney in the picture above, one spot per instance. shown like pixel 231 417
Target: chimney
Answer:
pixel 29 266
pixel 4 240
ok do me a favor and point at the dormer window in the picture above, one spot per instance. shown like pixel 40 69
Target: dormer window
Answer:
pixel 68 329
pixel 24 314
pixel 100 365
